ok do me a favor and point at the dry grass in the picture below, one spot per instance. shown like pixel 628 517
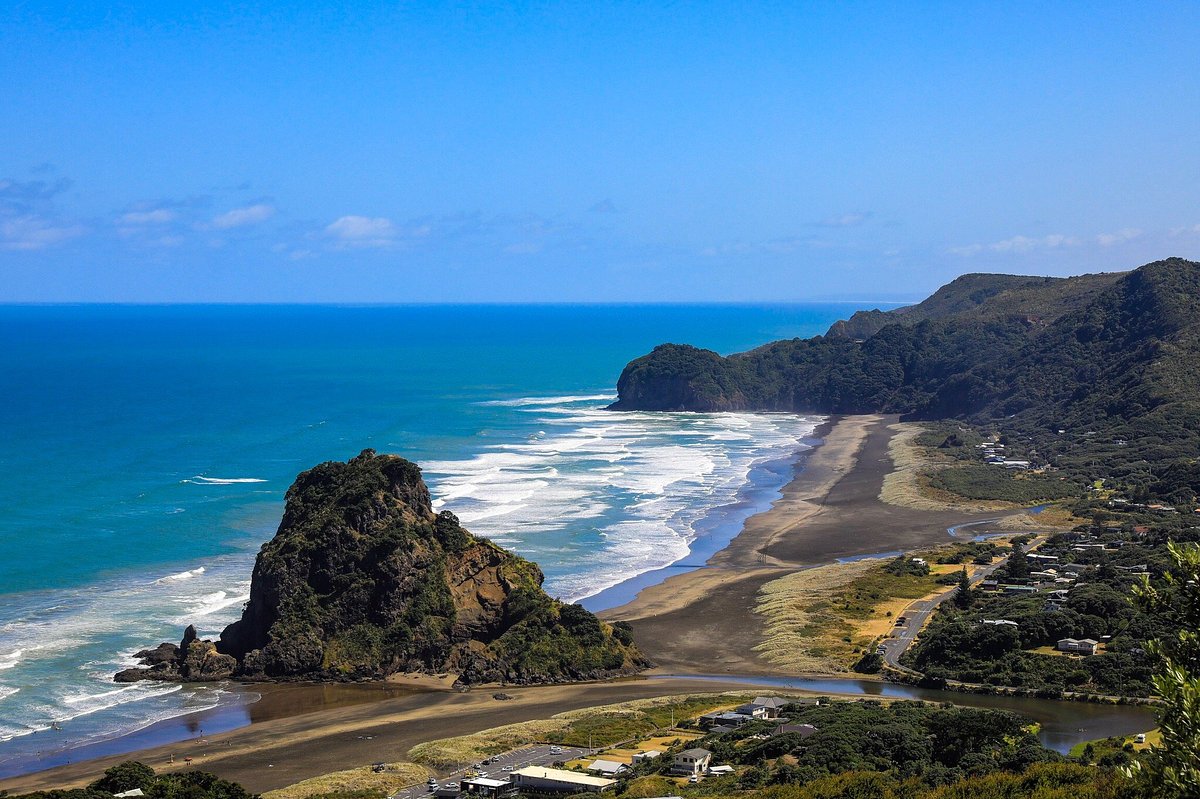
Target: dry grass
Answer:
pixel 394 777
pixel 907 484
pixel 1055 517
pixel 446 752
pixel 802 632
pixel 612 720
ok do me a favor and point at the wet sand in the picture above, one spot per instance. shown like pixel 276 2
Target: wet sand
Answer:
pixel 697 622
pixel 704 620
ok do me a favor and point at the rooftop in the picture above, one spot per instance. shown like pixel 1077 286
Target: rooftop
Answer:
pixel 562 775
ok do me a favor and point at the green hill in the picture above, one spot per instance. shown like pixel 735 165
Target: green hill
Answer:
pixel 1110 358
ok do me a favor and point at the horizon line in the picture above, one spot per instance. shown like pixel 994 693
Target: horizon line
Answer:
pixel 433 303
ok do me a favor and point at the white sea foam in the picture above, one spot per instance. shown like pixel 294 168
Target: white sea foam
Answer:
pixel 66 645
pixel 631 487
pixel 185 575
pixel 223 481
pixel 552 400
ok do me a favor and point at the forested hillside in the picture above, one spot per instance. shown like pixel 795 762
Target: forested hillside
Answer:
pixel 1107 357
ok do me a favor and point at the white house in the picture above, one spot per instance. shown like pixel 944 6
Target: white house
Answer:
pixel 557 780
pixel 1084 646
pixel 692 762
pixel 606 768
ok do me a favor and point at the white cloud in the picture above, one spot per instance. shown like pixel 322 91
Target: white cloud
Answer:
pixel 362 231
pixel 846 220
pixel 1121 236
pixel 1018 244
pixel 238 217
pixel 159 216
pixel 31 232
pixel 1181 231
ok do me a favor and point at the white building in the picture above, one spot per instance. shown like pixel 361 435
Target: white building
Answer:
pixel 557 780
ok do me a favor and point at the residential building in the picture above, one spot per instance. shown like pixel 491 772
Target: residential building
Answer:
pixel 691 762
pixel 1085 646
pixel 607 768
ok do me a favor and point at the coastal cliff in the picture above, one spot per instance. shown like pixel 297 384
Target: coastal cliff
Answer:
pixel 363 579
pixel 1113 354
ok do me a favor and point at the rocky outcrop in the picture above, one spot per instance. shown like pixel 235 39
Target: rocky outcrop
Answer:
pixel 363 580
pixel 192 661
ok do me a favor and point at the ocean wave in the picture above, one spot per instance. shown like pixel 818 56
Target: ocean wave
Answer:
pixel 222 481
pixel 216 601
pixel 11 660
pixel 633 489
pixel 524 401
pixel 7 691
pixel 186 575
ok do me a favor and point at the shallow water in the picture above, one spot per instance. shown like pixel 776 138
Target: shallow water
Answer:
pixel 1062 724
pixel 146 451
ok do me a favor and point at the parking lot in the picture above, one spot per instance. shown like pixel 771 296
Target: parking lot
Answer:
pixel 500 766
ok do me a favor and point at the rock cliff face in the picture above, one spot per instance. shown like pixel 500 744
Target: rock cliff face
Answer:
pixel 363 580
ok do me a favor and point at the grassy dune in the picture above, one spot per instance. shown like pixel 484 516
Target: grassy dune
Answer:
pixel 394 777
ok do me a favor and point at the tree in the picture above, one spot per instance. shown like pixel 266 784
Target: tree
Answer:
pixel 1173 769
pixel 1018 564
pixel 125 777
pixel 964 597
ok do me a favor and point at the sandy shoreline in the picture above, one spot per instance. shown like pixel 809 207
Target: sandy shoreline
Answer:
pixel 696 622
pixel 705 619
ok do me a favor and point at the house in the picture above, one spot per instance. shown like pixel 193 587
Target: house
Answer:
pixel 1085 646
pixel 1012 590
pixel 130 794
pixel 607 768
pixel 1036 558
pixel 724 719
pixel 1001 622
pixel 691 762
pixel 650 754
pixel 764 707
pixel 485 786
pixel 540 779
pixel 1141 567
pixel 805 730
pixel 720 771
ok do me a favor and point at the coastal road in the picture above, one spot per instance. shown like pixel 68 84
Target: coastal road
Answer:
pixel 917 614
pixel 500 766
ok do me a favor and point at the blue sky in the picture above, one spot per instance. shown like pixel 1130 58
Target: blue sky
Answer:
pixel 371 152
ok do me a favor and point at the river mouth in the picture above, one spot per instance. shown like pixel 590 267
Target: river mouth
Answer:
pixel 1061 724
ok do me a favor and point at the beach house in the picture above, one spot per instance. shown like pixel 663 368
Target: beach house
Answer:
pixel 691 762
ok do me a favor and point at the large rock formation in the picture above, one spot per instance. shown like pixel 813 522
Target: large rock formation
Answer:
pixel 363 580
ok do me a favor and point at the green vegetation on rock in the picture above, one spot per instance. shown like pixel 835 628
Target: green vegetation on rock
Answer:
pixel 363 579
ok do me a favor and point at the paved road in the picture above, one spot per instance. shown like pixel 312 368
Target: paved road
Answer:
pixel 918 613
pixel 501 766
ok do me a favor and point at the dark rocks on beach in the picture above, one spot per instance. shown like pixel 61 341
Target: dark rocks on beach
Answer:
pixel 193 660
pixel 363 579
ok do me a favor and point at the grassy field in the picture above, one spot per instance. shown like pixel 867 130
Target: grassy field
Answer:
pixel 821 620
pixel 908 484
pixel 356 780
pixel 599 726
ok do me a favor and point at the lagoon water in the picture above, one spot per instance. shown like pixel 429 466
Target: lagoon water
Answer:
pixel 146 451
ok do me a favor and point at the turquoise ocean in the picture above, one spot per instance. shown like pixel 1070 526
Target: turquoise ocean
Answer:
pixel 145 452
